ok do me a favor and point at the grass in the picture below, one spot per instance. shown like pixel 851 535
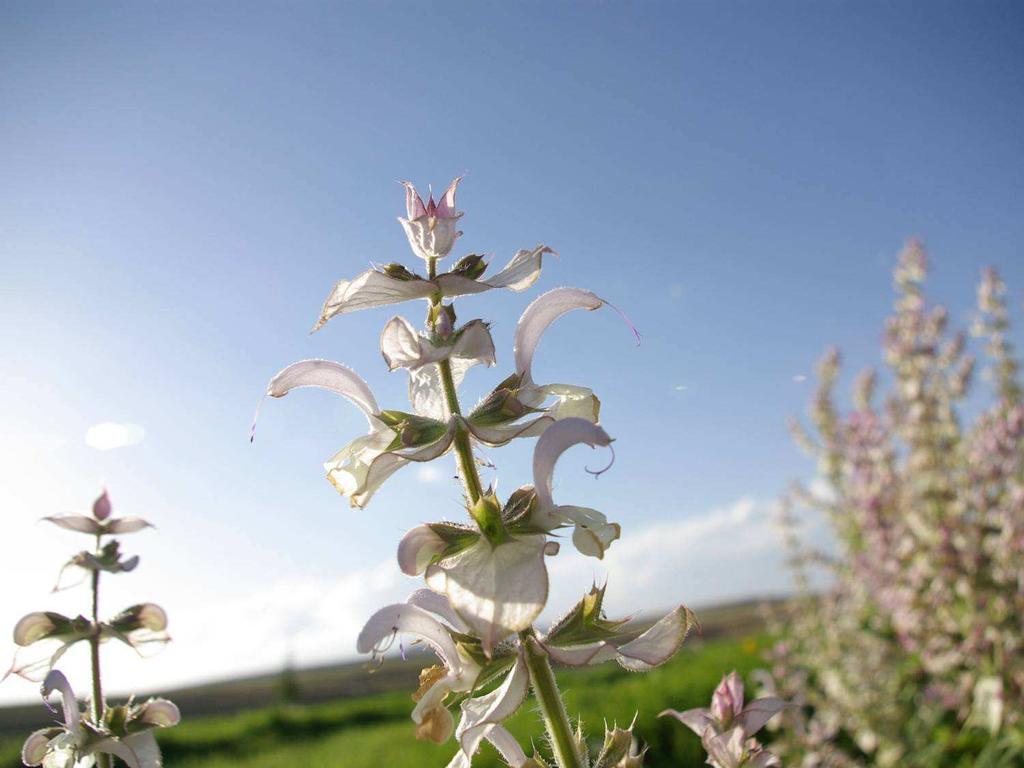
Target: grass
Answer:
pixel 375 730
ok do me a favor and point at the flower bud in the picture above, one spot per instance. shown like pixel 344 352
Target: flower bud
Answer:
pixel 101 508
pixel 399 272
pixel 472 266
pixel 487 513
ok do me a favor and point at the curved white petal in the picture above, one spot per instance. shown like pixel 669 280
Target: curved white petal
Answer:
pixel 55 681
pixel 438 605
pixel 34 750
pixel 403 347
pixel 507 746
pixel 402 618
pixel 518 275
pixel 540 314
pixel 73 522
pixel 555 441
pixel 481 714
pixel 371 289
pixel 325 374
pixel 32 627
pixel 658 644
pixel 592 533
pixel 431 237
pixel 498 589
pixel 162 713
pixel 495 435
pixel 400 344
pixel 145 748
pixel 417 548
pixel 727 749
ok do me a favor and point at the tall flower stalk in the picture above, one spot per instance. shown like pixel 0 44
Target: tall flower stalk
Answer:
pixel 104 731
pixel 486 578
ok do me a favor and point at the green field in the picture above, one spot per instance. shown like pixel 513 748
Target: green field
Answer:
pixel 375 730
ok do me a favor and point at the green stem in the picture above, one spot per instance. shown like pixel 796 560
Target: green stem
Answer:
pixel 552 708
pixel 102 759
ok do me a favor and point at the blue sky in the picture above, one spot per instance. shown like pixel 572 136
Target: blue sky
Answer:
pixel 182 185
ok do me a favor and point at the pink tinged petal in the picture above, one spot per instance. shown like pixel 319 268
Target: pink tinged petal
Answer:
pixel 371 289
pixel 723 700
pixel 79 523
pixel 446 207
pixel 518 275
pixel 122 525
pixel 160 712
pixel 414 207
pixel 34 750
pixel 438 605
pixel 431 237
pixel 734 683
pixel 117 749
pixel 497 590
pixel 55 681
pixel 758 712
pixel 555 441
pixel 417 548
pixel 658 644
pixel 575 656
pixel 401 618
pixel 32 627
pixel 764 759
pixel 481 714
pixel 101 508
pixel 726 749
pixel 697 720
pixel 496 435
pixel 540 315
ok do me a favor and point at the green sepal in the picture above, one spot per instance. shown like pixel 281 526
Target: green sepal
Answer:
pixel 585 622
pixel 399 272
pixel 472 266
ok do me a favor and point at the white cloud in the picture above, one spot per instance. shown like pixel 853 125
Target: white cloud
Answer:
pixel 800 378
pixel 108 435
pixel 428 474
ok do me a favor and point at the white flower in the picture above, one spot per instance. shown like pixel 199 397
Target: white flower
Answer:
pixel 482 717
pixel 99 523
pixel 431 228
pixel 592 533
pixel 727 710
pixel 376 288
pixel 361 467
pixel 458 672
pixel 72 744
pixel 50 635
pixel 497 589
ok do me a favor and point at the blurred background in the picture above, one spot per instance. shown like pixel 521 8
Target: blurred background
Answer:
pixel 181 186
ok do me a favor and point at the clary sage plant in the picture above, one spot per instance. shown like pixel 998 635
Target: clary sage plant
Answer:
pixel 104 731
pixel 486 578
pixel 914 657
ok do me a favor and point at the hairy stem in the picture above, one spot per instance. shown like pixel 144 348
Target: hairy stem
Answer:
pixel 102 759
pixel 552 708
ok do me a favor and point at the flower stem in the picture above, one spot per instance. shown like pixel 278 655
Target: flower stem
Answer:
pixel 552 708
pixel 102 759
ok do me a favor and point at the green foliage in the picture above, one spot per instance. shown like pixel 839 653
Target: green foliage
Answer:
pixel 375 731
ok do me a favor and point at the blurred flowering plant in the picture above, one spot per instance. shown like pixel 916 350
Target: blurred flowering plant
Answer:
pixel 915 654
pixel 486 578
pixel 93 737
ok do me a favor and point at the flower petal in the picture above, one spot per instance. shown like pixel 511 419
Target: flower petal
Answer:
pixel 122 525
pixel 507 746
pixel 101 508
pixel 35 626
pixel 400 344
pixel 412 620
pixel 496 589
pixel 71 522
pixel 697 720
pixel 555 441
pixel 540 314
pixel 518 275
pixel 162 713
pixel 758 712
pixel 438 605
pixel 658 644
pixel 55 681
pixel 118 749
pixel 417 548
pixel 145 749
pixel 481 714
pixel 325 374
pixel 726 749
pixel 34 750
pixel 371 289
pixel 592 534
